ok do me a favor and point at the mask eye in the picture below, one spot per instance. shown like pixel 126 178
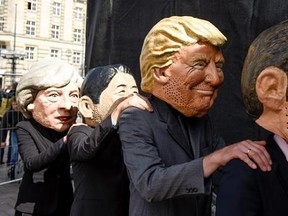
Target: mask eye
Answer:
pixel 53 96
pixel 219 67
pixel 74 97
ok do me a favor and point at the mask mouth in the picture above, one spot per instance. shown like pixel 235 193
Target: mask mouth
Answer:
pixel 206 92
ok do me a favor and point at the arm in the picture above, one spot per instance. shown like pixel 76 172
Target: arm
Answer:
pixel 152 178
pixel 83 142
pixel 34 159
pixel 257 155
pixel 238 191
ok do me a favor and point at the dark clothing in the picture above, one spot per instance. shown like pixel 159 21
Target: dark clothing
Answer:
pixel 247 192
pixel 5 100
pixel 46 187
pixel 163 152
pixel 100 177
pixel 8 94
pixel 9 121
pixel 2 151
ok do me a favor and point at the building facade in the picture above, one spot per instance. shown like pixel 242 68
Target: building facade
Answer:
pixel 31 30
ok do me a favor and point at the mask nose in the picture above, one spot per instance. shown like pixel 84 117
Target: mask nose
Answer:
pixel 66 103
pixel 214 76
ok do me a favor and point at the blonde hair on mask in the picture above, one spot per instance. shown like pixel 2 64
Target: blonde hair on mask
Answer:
pixel 167 37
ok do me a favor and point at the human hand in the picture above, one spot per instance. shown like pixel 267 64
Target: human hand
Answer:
pixel 253 153
pixel 135 100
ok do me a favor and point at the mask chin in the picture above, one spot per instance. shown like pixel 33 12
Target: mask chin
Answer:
pixel 96 117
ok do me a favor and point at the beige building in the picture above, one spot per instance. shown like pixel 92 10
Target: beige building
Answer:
pixel 31 30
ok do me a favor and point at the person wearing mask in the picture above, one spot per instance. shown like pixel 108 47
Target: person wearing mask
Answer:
pixel 172 153
pixel 99 174
pixel 244 191
pixel 47 96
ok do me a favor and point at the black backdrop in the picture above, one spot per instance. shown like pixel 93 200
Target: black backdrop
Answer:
pixel 116 29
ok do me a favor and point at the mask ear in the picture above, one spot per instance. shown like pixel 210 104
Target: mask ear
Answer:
pixel 30 107
pixel 271 85
pixel 160 75
pixel 85 107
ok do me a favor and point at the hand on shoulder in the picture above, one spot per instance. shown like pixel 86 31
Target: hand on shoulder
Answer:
pixel 135 100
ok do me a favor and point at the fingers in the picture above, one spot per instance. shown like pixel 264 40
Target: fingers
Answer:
pixel 259 150
pixel 255 154
pixel 140 102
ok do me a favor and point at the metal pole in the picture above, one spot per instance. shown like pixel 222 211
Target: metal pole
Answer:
pixel 14 48
pixel 15 20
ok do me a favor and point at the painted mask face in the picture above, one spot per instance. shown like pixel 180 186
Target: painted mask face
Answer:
pixel 56 108
pixel 194 78
pixel 120 86
pixel 271 89
pixel 281 127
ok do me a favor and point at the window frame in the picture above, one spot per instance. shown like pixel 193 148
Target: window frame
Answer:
pixel 30 53
pixel 30 27
pixel 55 31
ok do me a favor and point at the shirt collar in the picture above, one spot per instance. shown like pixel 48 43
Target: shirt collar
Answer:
pixel 282 145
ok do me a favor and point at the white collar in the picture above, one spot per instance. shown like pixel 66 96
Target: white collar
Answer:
pixel 282 144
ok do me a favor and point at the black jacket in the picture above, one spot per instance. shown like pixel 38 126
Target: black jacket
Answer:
pixel 163 152
pixel 247 192
pixel 46 187
pixel 100 177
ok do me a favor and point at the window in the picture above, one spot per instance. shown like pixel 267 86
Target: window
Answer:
pixel 2 45
pixel 77 35
pixel 76 57
pixel 54 53
pixel 2 2
pixel 56 8
pixel 55 31
pixel 30 52
pixel 31 5
pixel 78 13
pixel 1 23
pixel 30 27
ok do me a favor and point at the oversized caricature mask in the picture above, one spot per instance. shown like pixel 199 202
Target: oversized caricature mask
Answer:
pixel 102 90
pixel 264 80
pixel 181 63
pixel 49 93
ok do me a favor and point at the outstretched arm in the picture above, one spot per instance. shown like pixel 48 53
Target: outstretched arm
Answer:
pixel 253 153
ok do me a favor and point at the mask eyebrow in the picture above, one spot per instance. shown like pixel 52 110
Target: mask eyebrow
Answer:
pixel 201 57
pixel 121 85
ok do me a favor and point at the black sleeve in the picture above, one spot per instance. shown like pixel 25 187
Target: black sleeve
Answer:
pixel 83 142
pixel 34 159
